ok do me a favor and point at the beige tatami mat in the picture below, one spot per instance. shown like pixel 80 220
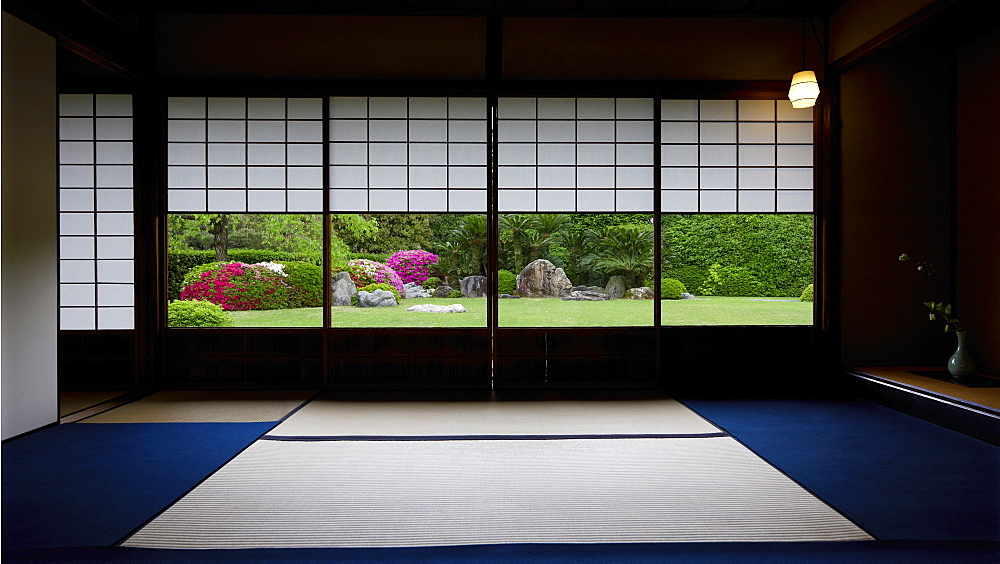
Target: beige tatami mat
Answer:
pixel 71 402
pixel 207 407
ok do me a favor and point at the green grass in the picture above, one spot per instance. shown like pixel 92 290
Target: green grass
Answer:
pixel 550 312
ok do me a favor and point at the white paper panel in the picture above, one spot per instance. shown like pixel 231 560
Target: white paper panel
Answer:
pixel 305 154
pixel 474 108
pixel 186 108
pixel 516 153
pixel 634 108
pixel 76 152
pixel 756 110
pixel 679 155
pixel 305 108
pixel 756 133
pixel 467 131
pixel 516 201
pixel 588 131
pixel 113 104
pixel 718 201
pixel 120 318
pixel 595 154
pixel 634 177
pixel 230 131
pixel 717 110
pixel 265 200
pixel 186 130
pixel 114 199
pixel 76 248
pixel 634 131
pixel 77 319
pixel 432 153
pixel 428 107
pixel 718 178
pixel 115 295
pixel 787 113
pixel 428 130
pixel 76 176
pixel 796 178
pixel 266 154
pixel 680 110
pixel 467 154
pixel 79 271
pixel 560 108
pixel 516 177
pixel 516 131
pixel 77 295
pixel 228 108
pixel 114 129
pixel 76 199
pixel 226 177
pixel 466 177
pixel 556 177
pixel 76 224
pixel 795 201
pixel 634 200
pixel 509 108
pixel 756 155
pixel 674 201
pixel 677 178
pixel 387 177
pixel 387 130
pixel 795 155
pixel 349 200
pixel 387 107
pixel 266 177
pixel 473 201
pixel 556 201
pixel 717 132
pixel 557 154
pixel 387 200
pixel 266 131
pixel 76 105
pixel 266 108
pixel 227 154
pixel 795 133
pixel 310 177
pixel 595 177
pixel 717 155
pixel 634 154
pixel 348 153
pixel 757 178
pixel 116 247
pixel 186 154
pixel 305 131
pixel 349 130
pixel 76 129
pixel 195 201
pixel 595 200
pixel 428 176
pixel 111 176
pixel 305 201
pixel 114 152
pixel 348 177
pixel 114 224
pixel 428 200
pixel 679 132
pixel 595 108
pixel 349 107
pixel 756 201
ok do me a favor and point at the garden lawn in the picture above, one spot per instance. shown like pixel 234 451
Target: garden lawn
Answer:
pixel 547 312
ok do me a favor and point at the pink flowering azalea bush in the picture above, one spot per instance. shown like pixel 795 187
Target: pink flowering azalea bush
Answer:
pixel 412 266
pixel 238 286
pixel 364 272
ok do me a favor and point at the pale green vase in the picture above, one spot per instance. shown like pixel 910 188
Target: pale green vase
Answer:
pixel 961 364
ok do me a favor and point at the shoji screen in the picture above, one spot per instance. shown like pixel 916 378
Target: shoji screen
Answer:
pixel 736 156
pixel 575 154
pixel 244 154
pixel 399 154
pixel 96 243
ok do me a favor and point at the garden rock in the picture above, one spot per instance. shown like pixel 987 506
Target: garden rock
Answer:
pixel 687 296
pixel 508 297
pixel 433 308
pixel 343 289
pixel 473 286
pixel 378 298
pixel 541 279
pixel 615 287
pixel 414 290
pixel 586 296
pixel 641 293
pixel 588 288
pixel 442 291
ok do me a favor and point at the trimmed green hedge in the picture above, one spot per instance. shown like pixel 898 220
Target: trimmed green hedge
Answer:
pixel 180 262
pixel 671 289
pixel 196 313
pixel 807 294
pixel 506 281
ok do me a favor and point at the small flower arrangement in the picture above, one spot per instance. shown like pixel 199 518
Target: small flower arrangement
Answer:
pixel 936 309
pixel 412 266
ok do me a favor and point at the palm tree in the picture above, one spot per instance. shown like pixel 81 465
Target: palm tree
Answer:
pixel 548 225
pixel 578 245
pixel 472 233
pixel 626 250
pixel 518 226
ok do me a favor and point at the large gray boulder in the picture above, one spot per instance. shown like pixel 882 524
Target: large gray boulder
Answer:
pixel 434 308
pixel 585 296
pixel 641 293
pixel 473 286
pixel 414 290
pixel 442 291
pixel 378 298
pixel 541 279
pixel 615 287
pixel 343 289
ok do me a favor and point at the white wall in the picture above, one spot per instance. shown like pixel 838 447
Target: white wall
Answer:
pixel 29 241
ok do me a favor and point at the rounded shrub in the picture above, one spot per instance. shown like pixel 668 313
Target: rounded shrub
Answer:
pixel 730 281
pixel 238 286
pixel 364 272
pixel 412 266
pixel 671 289
pixel 372 287
pixel 432 282
pixel 506 281
pixel 455 294
pixel 689 275
pixel 807 294
pixel 196 313
pixel 306 281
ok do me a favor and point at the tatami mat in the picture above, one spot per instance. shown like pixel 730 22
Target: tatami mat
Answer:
pixel 71 402
pixel 460 492
pixel 336 418
pixel 206 407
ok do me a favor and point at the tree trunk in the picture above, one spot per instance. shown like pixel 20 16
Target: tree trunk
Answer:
pixel 220 237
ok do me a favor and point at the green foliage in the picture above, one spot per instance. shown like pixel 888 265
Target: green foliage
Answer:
pixel 388 287
pixel 306 281
pixel 689 275
pixel 180 262
pixel 625 250
pixel 377 257
pixel 671 289
pixel 589 221
pixel 455 294
pixel 807 294
pixel 730 281
pixel 506 281
pixel 776 248
pixel 432 282
pixel 463 251
pixel 196 313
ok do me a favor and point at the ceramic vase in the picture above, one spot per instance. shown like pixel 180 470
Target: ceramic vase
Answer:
pixel 960 364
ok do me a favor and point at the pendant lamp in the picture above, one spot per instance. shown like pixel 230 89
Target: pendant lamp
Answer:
pixel 804 89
